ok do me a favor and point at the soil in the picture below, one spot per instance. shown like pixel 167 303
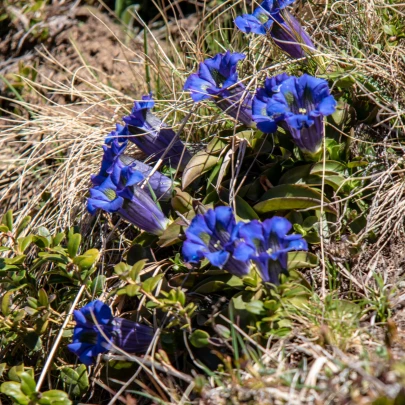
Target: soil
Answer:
pixel 77 36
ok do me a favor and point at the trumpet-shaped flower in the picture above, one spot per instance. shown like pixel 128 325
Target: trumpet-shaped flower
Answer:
pixel 114 160
pixel 264 122
pixel 152 136
pixel 300 105
pixel 112 154
pixel 272 17
pixel 267 244
pixel 128 200
pixel 97 331
pixel 212 236
pixel 217 80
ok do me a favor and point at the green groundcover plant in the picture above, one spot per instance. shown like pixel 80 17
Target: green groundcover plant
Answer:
pixel 223 235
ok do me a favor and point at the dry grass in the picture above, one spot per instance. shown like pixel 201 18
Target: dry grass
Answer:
pixel 46 162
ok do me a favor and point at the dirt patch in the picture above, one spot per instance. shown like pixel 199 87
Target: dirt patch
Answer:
pixel 84 45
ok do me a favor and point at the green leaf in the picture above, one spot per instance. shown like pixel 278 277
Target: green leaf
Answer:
pixel 23 243
pixel 6 303
pixel 243 209
pixel 43 298
pixel 216 146
pixel 296 175
pixel 199 338
pixel 97 285
pixel 218 283
pixel 27 383
pixel 7 220
pixel 13 390
pixel 24 223
pixel 15 260
pixel 76 381
pixel 290 197
pixel 331 167
pixel 32 341
pixel 3 367
pixel 256 307
pixel 54 397
pixel 14 372
pixel 298 260
pixel 57 239
pixel 150 284
pixel 74 244
pixel 136 269
pixel 87 259
pixel 44 232
pixel 131 290
pixel 182 201
pixel 199 164
pixel 41 241
pixel 171 235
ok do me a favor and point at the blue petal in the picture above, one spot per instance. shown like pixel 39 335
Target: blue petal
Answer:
pixel 248 23
pixel 131 176
pixel 86 357
pixel 101 311
pixel 298 244
pixel 265 124
pixel 259 107
pixel 276 108
pixel 79 317
pixel 218 259
pixel 198 226
pixel 204 73
pixel 193 252
pixel 225 218
pixel 327 106
pixel 210 219
pixel 198 87
pixel 299 121
pixel 120 134
pixel 278 225
pixel 146 104
pixel 252 233
pixel 243 252
pixel 272 84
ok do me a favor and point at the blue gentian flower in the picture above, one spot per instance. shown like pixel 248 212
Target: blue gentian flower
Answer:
pixel 112 154
pixel 120 134
pixel 264 122
pixel 212 236
pixel 114 160
pixel 267 244
pixel 152 136
pixel 217 80
pixel 272 17
pixel 128 200
pixel 88 341
pixel 298 105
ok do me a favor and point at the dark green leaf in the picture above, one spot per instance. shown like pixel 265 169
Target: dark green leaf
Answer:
pixel 291 196
pixel 199 164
